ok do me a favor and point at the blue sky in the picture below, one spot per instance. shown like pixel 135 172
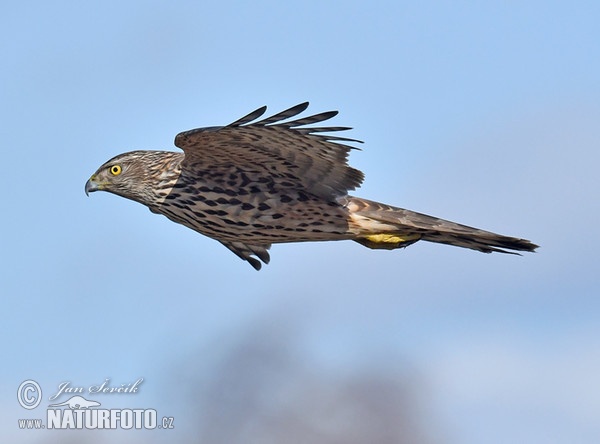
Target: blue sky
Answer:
pixel 485 114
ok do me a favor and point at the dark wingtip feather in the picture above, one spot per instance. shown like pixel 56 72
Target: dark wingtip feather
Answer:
pixel 249 117
pixel 285 114
pixel 309 120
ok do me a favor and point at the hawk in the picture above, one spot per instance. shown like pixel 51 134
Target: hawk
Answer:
pixel 254 183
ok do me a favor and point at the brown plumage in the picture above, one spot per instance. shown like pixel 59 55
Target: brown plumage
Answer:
pixel 254 183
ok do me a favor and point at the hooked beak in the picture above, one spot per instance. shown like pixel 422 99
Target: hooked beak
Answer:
pixel 91 186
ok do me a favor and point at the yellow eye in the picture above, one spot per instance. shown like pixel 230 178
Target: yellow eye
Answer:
pixel 115 170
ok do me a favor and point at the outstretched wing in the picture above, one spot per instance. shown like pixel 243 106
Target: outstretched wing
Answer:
pixel 304 157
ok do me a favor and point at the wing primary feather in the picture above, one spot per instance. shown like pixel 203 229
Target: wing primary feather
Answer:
pixel 339 139
pixel 314 132
pixel 311 119
pixel 322 129
pixel 249 117
pixel 290 112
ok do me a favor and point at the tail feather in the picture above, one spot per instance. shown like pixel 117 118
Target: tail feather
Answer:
pixel 382 226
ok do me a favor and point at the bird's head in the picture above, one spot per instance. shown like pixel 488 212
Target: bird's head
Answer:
pixel 142 176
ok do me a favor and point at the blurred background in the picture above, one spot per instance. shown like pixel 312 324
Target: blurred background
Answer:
pixel 487 114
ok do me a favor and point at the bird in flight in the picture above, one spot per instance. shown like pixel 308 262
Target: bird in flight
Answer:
pixel 254 183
